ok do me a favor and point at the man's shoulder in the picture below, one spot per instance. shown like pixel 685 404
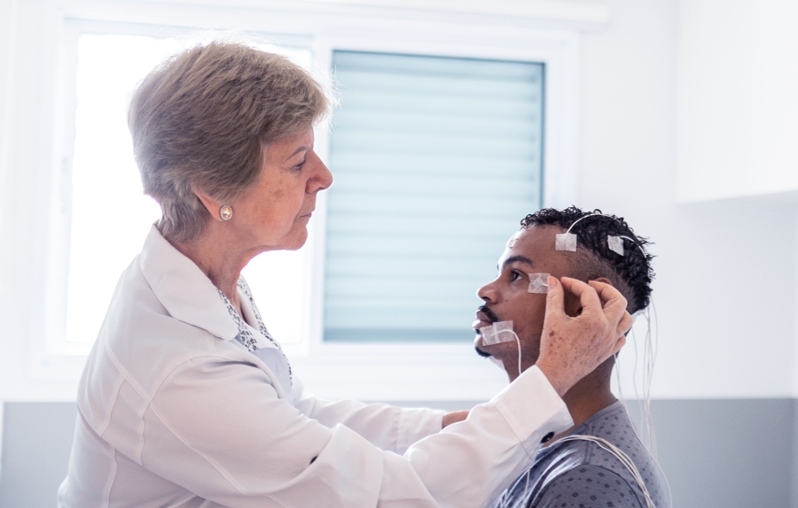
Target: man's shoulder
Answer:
pixel 579 471
pixel 588 485
pixel 568 483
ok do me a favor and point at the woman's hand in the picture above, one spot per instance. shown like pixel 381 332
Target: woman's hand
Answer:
pixel 454 417
pixel 572 347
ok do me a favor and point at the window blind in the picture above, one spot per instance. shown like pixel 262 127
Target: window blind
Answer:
pixel 436 160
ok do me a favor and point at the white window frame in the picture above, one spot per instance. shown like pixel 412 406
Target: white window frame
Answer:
pixel 394 371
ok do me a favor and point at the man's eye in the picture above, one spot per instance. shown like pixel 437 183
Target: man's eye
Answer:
pixel 514 276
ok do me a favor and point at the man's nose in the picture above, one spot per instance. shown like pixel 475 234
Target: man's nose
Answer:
pixel 487 293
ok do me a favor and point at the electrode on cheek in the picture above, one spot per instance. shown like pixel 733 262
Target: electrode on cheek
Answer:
pixel 497 333
pixel 501 331
pixel 538 283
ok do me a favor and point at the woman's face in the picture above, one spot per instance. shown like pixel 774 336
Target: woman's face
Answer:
pixel 274 213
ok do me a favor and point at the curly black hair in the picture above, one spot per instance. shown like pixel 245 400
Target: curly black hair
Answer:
pixel 633 268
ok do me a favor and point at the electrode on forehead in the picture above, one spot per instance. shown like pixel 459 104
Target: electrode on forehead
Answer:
pixel 615 243
pixel 565 241
pixel 538 283
pixel 498 332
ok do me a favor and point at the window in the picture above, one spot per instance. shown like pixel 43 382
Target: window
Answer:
pixel 436 159
pixel 109 214
pixel 332 347
pixel 104 204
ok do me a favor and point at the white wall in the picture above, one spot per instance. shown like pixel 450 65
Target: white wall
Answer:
pixel 794 313
pixel 738 76
pixel 22 197
pixel 726 270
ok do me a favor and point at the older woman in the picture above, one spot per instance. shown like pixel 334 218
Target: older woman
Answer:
pixel 188 401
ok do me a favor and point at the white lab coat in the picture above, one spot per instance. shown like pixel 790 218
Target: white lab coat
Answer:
pixel 174 412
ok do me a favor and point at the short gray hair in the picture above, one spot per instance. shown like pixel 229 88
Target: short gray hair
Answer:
pixel 203 119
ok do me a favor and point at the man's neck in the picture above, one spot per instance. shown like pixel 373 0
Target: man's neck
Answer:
pixel 586 398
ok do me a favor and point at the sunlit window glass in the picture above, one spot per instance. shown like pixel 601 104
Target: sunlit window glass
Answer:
pixel 110 216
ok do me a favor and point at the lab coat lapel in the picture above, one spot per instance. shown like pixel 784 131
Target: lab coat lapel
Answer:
pixel 183 289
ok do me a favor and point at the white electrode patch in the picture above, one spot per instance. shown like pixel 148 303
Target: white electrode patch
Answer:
pixel 565 241
pixel 538 283
pixel 615 243
pixel 498 332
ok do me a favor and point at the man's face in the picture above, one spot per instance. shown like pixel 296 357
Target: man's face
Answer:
pixel 507 298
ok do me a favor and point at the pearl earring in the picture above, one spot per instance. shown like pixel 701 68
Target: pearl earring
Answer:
pixel 226 212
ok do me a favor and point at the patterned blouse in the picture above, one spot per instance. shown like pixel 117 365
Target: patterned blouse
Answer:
pixel 245 336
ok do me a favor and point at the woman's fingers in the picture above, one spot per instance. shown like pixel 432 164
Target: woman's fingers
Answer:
pixel 609 295
pixel 572 347
pixel 625 324
pixel 614 305
pixel 555 297
pixel 587 295
pixel 619 344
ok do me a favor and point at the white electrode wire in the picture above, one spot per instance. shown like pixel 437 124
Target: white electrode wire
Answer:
pixel 642 431
pixel 610 448
pixel 634 241
pixel 649 360
pixel 648 372
pixel 650 345
pixel 653 347
pixel 621 456
pixel 577 221
pixel 517 341
pixel 643 403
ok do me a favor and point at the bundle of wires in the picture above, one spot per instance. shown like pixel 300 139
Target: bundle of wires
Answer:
pixel 644 430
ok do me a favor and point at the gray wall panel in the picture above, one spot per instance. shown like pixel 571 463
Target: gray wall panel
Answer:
pixel 726 453
pixel 37 438
pixel 716 453
pixel 794 468
pixel 721 453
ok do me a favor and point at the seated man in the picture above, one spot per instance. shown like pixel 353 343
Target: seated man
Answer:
pixel 571 472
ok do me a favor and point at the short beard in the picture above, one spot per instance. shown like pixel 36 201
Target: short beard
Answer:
pixel 482 353
pixel 493 318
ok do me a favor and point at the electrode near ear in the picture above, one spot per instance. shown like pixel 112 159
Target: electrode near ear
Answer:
pixel 538 283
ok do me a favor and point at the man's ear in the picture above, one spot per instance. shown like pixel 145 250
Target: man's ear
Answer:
pixel 573 306
pixel 212 205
